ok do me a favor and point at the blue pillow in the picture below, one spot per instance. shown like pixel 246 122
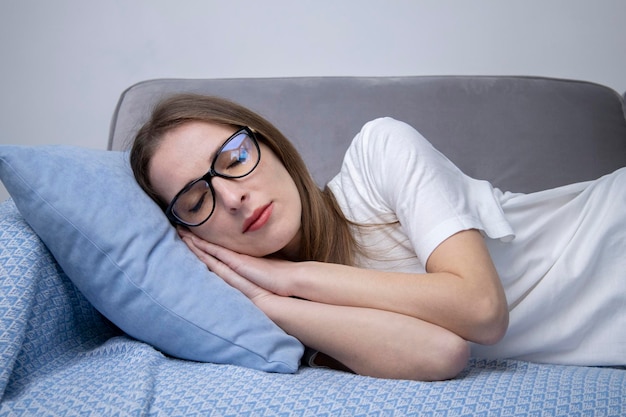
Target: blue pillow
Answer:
pixel 118 248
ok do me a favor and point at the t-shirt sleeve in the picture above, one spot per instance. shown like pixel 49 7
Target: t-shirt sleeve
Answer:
pixel 396 170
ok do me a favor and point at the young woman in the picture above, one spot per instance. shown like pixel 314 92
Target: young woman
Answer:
pixel 402 266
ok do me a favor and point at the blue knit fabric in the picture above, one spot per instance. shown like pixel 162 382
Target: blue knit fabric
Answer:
pixel 60 357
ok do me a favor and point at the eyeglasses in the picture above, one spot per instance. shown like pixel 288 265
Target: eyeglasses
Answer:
pixel 236 158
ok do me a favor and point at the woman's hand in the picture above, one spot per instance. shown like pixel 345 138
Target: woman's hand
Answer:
pixel 229 270
pixel 255 277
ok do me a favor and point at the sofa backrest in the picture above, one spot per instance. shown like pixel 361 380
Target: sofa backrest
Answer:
pixel 521 133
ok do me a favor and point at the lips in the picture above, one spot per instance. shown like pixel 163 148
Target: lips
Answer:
pixel 258 219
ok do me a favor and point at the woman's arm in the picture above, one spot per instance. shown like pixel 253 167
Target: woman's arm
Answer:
pixel 368 341
pixel 391 172
pixel 461 293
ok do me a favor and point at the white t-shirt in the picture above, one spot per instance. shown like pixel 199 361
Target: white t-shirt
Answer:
pixel 560 253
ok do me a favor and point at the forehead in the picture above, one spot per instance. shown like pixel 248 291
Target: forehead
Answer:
pixel 184 154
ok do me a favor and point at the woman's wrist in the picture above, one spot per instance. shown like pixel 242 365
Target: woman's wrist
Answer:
pixel 303 278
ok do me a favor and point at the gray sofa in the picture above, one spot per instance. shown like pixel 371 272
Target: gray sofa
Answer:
pixel 522 133
pixel 60 356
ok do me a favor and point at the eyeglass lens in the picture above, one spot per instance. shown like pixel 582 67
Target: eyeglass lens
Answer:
pixel 237 157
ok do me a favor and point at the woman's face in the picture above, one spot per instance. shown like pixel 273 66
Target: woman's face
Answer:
pixel 257 215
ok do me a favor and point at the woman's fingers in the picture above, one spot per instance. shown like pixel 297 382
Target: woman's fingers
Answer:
pixel 231 277
pixel 271 274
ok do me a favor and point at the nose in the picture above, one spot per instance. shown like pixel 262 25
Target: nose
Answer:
pixel 229 193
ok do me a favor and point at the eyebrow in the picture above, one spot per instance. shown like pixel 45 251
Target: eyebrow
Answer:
pixel 211 158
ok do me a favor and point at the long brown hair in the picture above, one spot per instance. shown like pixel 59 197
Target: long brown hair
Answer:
pixel 320 211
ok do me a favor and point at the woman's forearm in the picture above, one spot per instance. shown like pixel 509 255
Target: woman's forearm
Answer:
pixel 462 291
pixel 439 298
pixel 372 342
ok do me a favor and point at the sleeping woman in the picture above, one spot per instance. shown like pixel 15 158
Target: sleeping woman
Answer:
pixel 402 266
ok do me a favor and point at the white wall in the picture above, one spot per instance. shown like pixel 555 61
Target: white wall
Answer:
pixel 65 62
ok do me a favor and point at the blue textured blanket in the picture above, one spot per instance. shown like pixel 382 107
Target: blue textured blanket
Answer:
pixel 59 356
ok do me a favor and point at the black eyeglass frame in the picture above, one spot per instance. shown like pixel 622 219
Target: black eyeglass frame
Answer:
pixel 169 211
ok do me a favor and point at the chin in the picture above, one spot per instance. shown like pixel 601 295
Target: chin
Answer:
pixel 256 252
pixel 276 251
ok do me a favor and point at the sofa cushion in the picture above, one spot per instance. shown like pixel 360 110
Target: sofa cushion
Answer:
pixel 120 251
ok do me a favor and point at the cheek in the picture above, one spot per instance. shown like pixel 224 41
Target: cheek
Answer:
pixel 215 230
pixel 293 195
pixel 296 202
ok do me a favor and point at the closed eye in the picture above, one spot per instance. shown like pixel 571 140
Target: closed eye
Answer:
pixel 198 205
